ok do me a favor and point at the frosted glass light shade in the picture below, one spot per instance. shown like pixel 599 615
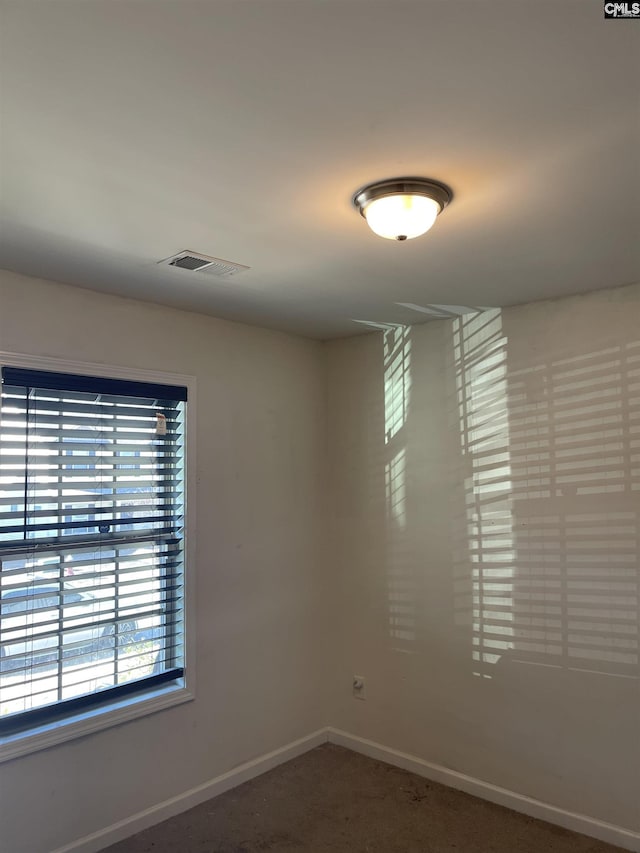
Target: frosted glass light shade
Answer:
pixel 401 217
pixel 402 208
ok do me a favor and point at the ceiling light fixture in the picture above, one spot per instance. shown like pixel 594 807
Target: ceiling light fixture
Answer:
pixel 402 208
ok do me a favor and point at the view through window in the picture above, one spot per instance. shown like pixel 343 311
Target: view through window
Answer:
pixel 91 541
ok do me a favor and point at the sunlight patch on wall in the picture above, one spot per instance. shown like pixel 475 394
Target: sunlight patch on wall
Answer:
pixel 401 583
pixel 576 434
pixel 397 380
pixel 484 553
pixel 547 545
pixel 396 490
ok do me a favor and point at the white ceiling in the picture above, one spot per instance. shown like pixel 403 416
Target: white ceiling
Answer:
pixel 132 129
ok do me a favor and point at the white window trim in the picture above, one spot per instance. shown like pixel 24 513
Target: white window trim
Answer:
pixel 122 710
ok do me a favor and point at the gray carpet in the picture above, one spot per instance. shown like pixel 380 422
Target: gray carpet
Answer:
pixel 331 800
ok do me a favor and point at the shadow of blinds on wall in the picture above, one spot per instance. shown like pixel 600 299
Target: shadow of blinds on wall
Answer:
pixel 575 428
pixel 401 580
pixel 484 558
pixel 572 486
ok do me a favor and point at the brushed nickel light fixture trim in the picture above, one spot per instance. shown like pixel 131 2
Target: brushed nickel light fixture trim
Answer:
pixel 402 208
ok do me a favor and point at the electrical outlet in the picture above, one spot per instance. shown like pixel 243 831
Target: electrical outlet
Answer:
pixel 358 687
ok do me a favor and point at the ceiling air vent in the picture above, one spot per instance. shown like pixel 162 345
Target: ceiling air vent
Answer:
pixel 194 262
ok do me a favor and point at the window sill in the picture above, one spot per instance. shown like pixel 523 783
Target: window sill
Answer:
pixel 95 720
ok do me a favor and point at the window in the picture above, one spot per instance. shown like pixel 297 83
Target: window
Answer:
pixel 92 494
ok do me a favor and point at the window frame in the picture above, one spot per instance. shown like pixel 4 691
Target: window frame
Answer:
pixel 121 709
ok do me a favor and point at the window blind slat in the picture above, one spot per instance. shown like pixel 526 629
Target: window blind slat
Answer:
pixel 91 413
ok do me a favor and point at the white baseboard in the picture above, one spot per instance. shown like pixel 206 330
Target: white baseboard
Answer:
pixel 625 838
pixel 193 797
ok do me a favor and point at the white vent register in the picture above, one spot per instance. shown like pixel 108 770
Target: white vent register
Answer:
pixel 195 262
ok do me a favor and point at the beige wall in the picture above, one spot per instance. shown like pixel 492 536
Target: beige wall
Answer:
pixel 485 484
pixel 260 455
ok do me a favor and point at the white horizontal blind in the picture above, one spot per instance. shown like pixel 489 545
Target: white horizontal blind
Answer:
pixel 91 533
